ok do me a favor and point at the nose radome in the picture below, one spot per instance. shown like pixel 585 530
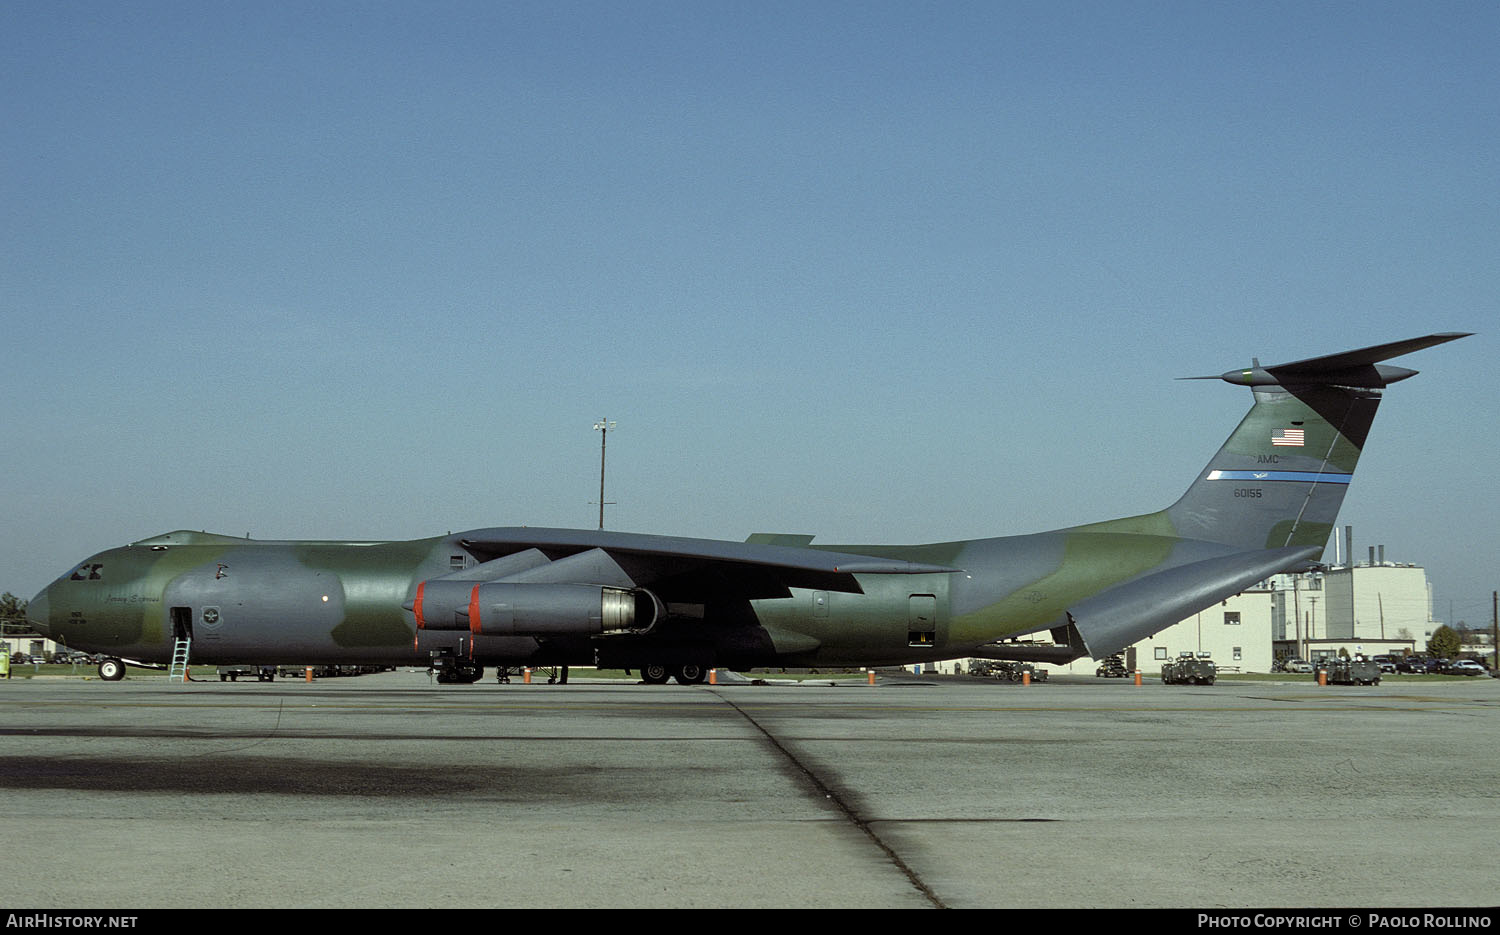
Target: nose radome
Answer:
pixel 36 614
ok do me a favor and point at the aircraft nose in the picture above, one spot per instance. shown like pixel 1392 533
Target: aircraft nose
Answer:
pixel 36 614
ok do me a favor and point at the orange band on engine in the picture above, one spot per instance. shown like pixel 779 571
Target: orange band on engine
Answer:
pixel 474 610
pixel 416 607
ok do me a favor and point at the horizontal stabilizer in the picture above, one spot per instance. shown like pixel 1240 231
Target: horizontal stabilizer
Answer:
pixel 1350 368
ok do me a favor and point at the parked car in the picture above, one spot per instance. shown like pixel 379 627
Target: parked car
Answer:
pixel 1296 664
pixel 1465 667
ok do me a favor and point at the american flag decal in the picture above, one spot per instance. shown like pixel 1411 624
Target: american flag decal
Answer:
pixel 1287 438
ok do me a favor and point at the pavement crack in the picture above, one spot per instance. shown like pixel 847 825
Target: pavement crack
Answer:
pixel 848 811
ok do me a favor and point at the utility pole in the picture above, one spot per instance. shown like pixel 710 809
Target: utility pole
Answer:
pixel 1297 614
pixel 603 426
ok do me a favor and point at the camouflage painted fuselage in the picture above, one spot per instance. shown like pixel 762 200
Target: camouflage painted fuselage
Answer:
pixel 1265 503
pixel 250 601
pixel 269 602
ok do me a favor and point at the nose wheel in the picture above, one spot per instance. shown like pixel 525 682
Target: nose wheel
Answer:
pixel 111 670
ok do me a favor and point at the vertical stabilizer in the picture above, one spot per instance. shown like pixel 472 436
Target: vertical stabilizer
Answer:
pixel 1279 479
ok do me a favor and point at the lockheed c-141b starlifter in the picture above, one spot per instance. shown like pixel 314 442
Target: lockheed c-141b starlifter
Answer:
pixel 672 607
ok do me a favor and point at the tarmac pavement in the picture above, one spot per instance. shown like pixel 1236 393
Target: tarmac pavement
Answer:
pixel 388 791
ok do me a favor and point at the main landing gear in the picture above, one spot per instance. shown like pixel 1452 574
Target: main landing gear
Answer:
pixel 657 674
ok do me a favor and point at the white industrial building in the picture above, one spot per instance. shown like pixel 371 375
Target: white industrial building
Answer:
pixel 1236 633
pixel 1373 607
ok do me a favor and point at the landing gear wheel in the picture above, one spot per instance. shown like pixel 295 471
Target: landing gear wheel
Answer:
pixel 111 670
pixel 654 674
pixel 690 674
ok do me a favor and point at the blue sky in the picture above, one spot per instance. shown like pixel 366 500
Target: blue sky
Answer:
pixel 884 272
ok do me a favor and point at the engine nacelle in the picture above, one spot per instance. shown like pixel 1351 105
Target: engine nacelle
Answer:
pixel 504 609
pixel 442 605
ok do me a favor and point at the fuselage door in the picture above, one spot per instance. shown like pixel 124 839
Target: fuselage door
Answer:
pixel 921 620
pixel 182 623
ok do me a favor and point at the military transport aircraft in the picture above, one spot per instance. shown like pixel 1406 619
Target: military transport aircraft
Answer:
pixel 672 607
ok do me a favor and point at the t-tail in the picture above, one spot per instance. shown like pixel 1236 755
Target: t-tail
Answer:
pixel 1279 479
pixel 1266 503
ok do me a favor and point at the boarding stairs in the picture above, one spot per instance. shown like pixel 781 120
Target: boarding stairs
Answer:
pixel 179 670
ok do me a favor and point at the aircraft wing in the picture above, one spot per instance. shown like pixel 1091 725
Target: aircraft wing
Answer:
pixel 675 568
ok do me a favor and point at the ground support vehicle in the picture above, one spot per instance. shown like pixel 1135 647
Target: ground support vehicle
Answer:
pixel 1188 669
pixel 1016 671
pixel 1359 671
pixel 300 672
pixel 1112 668
pixel 235 673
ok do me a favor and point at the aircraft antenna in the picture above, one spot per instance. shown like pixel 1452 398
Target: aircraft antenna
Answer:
pixel 602 426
